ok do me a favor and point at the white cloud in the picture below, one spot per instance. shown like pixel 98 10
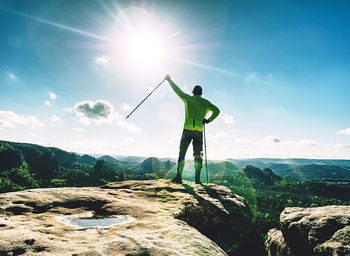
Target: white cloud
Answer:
pixel 6 123
pixel 272 139
pixel 12 76
pixel 55 118
pixel 11 119
pixel 226 118
pixel 101 112
pixel 125 107
pixel 78 130
pixel 345 131
pixel 69 110
pixel 94 112
pixel 302 143
pixel 47 103
pixel 52 96
pixel 341 146
pixel 260 79
pixel 102 60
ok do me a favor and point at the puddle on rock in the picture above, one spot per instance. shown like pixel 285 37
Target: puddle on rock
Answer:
pixel 90 220
pixel 101 221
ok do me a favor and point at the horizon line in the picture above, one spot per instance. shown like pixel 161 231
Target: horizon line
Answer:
pixel 219 159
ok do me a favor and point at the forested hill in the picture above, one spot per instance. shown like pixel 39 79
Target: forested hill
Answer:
pixel 265 162
pixel 24 165
pixel 302 169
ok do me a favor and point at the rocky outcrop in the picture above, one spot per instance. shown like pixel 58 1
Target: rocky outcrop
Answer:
pixel 39 221
pixel 316 231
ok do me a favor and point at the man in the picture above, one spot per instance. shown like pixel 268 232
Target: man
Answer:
pixel 196 108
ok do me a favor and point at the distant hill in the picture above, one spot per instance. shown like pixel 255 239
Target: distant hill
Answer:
pixel 312 172
pixel 135 159
pixel 118 164
pixel 153 167
pixel 302 169
pixel 138 159
pixel 109 159
pixel 242 163
pixel 265 162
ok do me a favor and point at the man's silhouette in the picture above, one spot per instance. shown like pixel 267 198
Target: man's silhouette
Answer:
pixel 196 108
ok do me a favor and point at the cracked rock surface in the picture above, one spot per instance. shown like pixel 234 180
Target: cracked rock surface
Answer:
pixel 38 221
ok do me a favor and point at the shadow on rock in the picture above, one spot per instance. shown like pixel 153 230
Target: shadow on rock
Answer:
pixel 224 218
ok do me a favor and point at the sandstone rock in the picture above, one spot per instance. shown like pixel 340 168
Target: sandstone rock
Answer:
pixel 275 244
pixel 312 231
pixel 39 221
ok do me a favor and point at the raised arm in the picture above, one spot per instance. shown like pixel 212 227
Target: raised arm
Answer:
pixel 176 89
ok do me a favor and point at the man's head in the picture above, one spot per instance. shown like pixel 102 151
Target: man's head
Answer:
pixel 197 90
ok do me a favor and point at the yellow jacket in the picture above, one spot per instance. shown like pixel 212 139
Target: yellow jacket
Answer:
pixel 196 108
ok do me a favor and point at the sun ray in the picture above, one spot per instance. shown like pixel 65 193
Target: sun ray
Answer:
pixel 75 30
pixel 177 33
pixel 143 46
pixel 207 67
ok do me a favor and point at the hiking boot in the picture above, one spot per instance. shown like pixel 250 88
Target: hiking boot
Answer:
pixel 177 179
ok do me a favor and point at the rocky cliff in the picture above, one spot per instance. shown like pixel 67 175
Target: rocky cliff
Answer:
pixel 319 231
pixel 159 219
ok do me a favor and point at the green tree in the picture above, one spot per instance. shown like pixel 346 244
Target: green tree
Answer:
pixel 17 179
pixel 9 157
pixel 103 173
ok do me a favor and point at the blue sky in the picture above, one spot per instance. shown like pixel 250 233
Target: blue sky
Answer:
pixel 70 71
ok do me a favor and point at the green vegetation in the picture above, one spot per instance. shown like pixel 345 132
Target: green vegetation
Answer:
pixel 24 166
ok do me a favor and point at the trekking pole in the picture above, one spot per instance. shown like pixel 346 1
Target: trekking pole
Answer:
pixel 145 98
pixel 205 150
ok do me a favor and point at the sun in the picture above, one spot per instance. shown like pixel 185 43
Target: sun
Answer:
pixel 143 42
pixel 145 47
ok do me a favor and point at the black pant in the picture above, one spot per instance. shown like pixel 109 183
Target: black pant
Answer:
pixel 186 138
